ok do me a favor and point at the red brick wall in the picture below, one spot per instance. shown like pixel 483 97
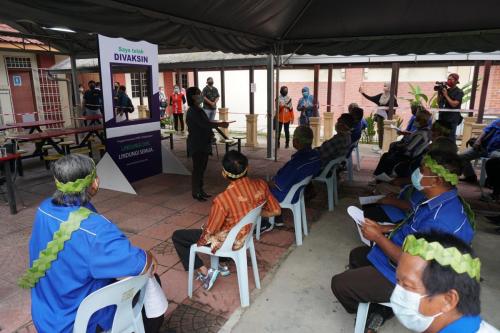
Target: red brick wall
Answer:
pixel 168 81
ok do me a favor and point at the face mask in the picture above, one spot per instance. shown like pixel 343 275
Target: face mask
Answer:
pixel 305 93
pixel 449 83
pixel 416 178
pixel 405 305
pixel 176 91
pixel 198 99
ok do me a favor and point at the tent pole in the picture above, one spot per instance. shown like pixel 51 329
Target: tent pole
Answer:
pixel 195 75
pixel 270 88
pixel 316 84
pixel 484 91
pixel 276 109
pixel 394 89
pixel 329 89
pixel 252 95
pixel 74 83
pixel 473 91
pixel 222 87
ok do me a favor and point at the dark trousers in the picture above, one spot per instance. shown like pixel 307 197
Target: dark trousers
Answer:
pixel 287 132
pixel 361 283
pixel 380 130
pixel 179 118
pixel 493 180
pixel 376 213
pixel 183 239
pixel 200 160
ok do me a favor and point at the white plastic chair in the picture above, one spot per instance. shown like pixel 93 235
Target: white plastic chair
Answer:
pixel 362 315
pixel 298 209
pixel 329 177
pixel 239 256
pixel 127 318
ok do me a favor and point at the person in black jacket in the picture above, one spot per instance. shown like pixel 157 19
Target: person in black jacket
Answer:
pixel 381 99
pixel 199 141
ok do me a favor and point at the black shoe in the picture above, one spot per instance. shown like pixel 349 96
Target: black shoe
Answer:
pixel 199 197
pixel 205 195
pixel 287 145
pixel 265 227
pixel 278 221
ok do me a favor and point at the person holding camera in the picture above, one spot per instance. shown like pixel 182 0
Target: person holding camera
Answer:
pixel 450 97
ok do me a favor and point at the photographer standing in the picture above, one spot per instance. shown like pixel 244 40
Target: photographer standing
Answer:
pixel 450 98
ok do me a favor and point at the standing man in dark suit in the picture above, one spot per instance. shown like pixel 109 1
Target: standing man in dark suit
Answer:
pixel 199 141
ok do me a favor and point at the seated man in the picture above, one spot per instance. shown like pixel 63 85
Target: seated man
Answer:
pixel 339 144
pixel 397 161
pixel 241 196
pixel 438 287
pixel 304 163
pixel 487 145
pixel 412 125
pixel 94 252
pixel 443 211
pixel 359 122
pixel 394 208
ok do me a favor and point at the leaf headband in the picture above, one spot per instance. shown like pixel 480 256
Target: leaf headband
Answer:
pixel 440 170
pixel 452 257
pixel 78 185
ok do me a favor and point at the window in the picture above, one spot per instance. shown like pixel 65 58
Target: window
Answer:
pixel 17 62
pixel 134 82
pixel 183 81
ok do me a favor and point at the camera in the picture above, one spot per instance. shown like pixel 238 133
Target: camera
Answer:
pixel 440 86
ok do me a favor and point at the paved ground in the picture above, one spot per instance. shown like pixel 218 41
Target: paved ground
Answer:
pixel 296 291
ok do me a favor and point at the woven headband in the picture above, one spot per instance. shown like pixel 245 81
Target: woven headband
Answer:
pixel 440 170
pixel 78 185
pixel 233 176
pixel 452 257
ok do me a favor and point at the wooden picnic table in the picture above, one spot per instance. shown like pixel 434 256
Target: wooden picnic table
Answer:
pixel 32 125
pixel 46 138
pixel 5 165
pixel 93 119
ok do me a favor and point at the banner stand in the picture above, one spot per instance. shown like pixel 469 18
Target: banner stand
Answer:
pixel 171 163
pixel 111 177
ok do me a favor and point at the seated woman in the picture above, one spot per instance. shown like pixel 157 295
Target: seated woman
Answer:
pixel 438 287
pixel 91 252
pixel 394 208
pixel 241 196
pixel 397 161
pixel 443 210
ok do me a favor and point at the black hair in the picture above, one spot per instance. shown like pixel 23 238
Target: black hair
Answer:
pixel 422 117
pixel 190 92
pixel 210 78
pixel 415 107
pixel 442 126
pixel 68 169
pixel 438 279
pixel 347 119
pixel 234 162
pixel 304 135
pixel 357 113
pixel 91 81
pixel 447 159
pixel 122 88
pixel 444 143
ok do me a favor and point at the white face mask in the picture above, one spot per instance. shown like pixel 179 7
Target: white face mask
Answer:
pixel 405 305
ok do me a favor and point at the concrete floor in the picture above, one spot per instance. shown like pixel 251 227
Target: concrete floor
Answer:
pixel 298 297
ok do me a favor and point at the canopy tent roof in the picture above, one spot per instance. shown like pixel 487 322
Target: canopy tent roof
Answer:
pixel 265 26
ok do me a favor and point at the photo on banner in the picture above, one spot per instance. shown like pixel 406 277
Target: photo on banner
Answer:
pixel 129 76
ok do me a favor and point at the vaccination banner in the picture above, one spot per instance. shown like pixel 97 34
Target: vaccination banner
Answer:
pixel 129 83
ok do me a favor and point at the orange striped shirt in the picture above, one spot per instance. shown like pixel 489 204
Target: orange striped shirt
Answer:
pixel 229 207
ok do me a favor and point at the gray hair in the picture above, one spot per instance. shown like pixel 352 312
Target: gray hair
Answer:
pixel 68 169
pixel 304 135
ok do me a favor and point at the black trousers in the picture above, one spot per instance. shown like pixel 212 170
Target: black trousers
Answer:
pixel 380 130
pixel 493 180
pixel 183 239
pixel 200 160
pixel 179 118
pixel 361 283
pixel 287 132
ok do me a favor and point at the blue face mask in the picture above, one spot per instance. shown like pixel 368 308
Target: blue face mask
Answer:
pixel 416 179
pixel 305 93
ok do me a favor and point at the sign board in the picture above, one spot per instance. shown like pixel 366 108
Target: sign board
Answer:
pixel 131 112
pixel 16 79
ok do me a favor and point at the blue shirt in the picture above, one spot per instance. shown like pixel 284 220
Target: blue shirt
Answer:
pixel 444 213
pixel 357 129
pixel 304 163
pixel 92 258
pixel 493 142
pixel 396 214
pixel 466 324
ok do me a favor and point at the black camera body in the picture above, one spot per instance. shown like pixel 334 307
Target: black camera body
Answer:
pixel 440 86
